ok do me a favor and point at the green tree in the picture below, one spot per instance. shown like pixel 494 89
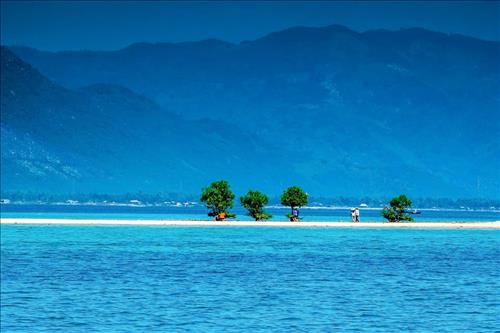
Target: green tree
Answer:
pixel 294 197
pixel 396 211
pixel 218 198
pixel 254 202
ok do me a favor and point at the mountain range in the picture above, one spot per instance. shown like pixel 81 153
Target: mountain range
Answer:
pixel 336 111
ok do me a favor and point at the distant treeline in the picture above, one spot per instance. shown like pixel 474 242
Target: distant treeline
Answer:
pixel 161 198
pixel 474 203
pixel 146 198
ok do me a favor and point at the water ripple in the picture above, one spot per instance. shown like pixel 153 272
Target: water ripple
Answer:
pixel 133 279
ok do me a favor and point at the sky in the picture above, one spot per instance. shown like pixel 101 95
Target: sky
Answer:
pixel 109 25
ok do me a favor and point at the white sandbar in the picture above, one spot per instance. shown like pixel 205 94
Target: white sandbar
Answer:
pixel 316 224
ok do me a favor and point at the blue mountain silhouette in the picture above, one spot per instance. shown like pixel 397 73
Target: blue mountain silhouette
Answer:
pixel 336 111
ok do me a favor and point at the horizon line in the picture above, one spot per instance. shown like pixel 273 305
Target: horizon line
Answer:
pixel 244 41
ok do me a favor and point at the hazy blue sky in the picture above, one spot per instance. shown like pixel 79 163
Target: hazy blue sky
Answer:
pixel 114 24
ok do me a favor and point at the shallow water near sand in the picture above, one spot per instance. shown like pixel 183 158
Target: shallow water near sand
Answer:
pixel 200 213
pixel 145 279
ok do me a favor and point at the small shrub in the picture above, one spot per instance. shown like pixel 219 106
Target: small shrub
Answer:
pixel 293 197
pixel 254 202
pixel 396 211
pixel 218 198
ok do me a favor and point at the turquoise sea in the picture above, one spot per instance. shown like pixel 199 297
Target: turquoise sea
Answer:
pixel 200 213
pixel 176 279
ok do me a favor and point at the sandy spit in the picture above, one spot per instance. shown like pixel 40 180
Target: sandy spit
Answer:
pixel 314 224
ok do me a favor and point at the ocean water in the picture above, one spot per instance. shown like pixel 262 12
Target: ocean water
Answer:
pixel 173 279
pixel 200 213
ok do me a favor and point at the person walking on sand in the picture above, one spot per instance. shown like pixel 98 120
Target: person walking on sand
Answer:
pixel 356 213
pixel 353 215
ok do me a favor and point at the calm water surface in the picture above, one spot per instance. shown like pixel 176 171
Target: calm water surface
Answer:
pixel 200 213
pixel 172 279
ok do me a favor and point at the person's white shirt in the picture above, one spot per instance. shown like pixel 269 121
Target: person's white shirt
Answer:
pixel 356 212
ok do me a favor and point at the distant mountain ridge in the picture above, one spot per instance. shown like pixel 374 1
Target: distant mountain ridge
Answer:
pixel 340 112
pixel 107 139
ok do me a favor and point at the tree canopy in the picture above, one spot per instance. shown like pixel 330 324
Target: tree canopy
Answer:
pixel 396 211
pixel 294 197
pixel 218 198
pixel 254 202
